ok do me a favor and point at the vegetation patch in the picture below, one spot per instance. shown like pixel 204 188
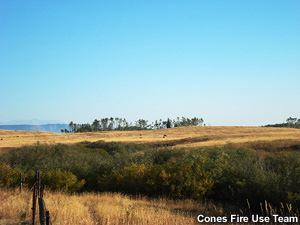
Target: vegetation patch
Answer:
pixel 231 173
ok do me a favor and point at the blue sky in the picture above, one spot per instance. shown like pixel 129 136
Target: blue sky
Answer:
pixel 229 62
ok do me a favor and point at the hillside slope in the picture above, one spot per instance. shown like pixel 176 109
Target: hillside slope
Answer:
pixel 181 136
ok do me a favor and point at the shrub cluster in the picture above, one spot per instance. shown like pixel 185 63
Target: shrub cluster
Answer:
pixel 220 173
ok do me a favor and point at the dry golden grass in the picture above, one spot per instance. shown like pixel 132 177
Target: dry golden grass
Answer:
pixel 107 208
pixel 180 137
pixel 91 208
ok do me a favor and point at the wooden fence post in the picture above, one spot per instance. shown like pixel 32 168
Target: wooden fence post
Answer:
pixel 38 182
pixel 42 211
pixel 47 218
pixel 33 204
pixel 38 194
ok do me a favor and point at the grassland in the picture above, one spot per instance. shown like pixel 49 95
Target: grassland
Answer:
pixel 106 208
pixel 179 137
pixel 259 164
pixel 118 209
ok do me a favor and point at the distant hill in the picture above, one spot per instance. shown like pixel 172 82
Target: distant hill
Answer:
pixel 31 122
pixel 194 137
pixel 28 127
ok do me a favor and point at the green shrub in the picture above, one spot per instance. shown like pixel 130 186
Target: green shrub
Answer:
pixel 229 173
pixel 9 177
pixel 61 180
pixel 174 178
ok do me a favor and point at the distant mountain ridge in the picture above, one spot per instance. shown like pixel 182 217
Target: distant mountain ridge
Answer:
pixel 56 128
pixel 31 122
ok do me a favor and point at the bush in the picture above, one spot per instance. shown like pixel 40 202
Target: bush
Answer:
pixel 61 180
pixel 174 179
pixel 231 173
pixel 9 178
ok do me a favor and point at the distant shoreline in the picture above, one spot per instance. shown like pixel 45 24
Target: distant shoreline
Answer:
pixel 55 128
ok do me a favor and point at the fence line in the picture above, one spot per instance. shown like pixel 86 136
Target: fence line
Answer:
pixel 37 195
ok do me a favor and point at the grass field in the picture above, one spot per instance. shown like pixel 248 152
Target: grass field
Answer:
pixel 180 137
pixel 108 208
pixel 105 208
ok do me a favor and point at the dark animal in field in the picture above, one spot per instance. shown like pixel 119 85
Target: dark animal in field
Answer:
pixel 164 136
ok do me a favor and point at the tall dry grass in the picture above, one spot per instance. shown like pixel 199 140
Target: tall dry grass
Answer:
pixel 108 208
pixel 180 136
pixel 105 208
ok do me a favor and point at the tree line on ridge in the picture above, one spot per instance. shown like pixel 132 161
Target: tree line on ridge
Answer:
pixel 291 122
pixel 109 124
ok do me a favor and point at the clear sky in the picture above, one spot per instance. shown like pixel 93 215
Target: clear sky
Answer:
pixel 230 62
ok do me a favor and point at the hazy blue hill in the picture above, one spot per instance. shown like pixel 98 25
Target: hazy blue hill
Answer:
pixel 27 127
pixel 31 122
